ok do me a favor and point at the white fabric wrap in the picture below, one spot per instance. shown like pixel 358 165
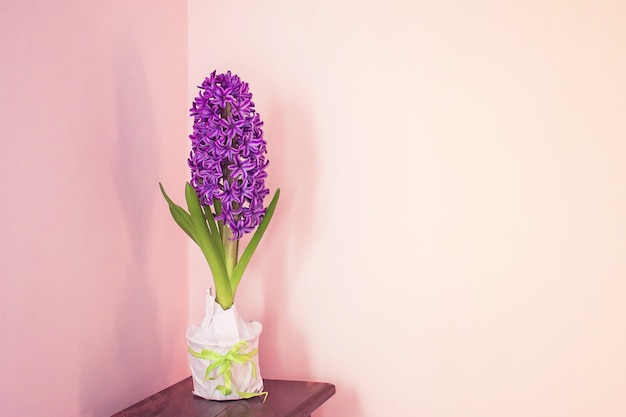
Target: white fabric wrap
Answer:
pixel 220 331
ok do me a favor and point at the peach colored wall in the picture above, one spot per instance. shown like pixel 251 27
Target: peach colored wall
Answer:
pixel 451 236
pixel 93 287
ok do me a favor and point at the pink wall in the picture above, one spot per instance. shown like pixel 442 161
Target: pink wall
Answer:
pixel 450 240
pixel 93 293
pixel 468 159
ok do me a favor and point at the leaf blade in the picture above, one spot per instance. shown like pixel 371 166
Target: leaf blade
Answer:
pixel 181 217
pixel 223 290
pixel 214 232
pixel 254 242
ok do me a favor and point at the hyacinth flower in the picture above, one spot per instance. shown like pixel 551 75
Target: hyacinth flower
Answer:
pixel 225 197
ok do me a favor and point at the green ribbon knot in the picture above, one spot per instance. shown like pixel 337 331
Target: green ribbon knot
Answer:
pixel 224 366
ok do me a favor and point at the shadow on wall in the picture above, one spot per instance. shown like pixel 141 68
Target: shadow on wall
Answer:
pixel 293 162
pixel 293 169
pixel 128 359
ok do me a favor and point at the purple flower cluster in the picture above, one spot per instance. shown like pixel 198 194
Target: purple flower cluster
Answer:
pixel 227 157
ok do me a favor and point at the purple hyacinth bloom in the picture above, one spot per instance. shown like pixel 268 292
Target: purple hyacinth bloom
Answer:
pixel 227 159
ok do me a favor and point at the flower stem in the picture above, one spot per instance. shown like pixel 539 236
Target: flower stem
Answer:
pixel 231 250
pixel 231 246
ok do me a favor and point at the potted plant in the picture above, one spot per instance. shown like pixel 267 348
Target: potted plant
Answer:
pixel 225 200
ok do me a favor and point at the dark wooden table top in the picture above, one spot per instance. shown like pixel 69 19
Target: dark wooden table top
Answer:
pixel 285 399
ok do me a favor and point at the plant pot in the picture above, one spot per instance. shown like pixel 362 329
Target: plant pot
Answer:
pixel 223 355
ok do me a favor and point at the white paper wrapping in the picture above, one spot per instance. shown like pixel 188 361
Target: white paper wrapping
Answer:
pixel 219 332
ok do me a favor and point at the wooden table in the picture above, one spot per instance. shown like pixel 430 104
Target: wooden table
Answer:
pixel 285 399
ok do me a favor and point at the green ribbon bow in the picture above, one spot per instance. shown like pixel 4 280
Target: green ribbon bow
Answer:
pixel 224 365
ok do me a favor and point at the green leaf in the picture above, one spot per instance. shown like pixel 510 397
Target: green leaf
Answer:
pixel 223 291
pixel 181 217
pixel 254 242
pixel 218 210
pixel 215 234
